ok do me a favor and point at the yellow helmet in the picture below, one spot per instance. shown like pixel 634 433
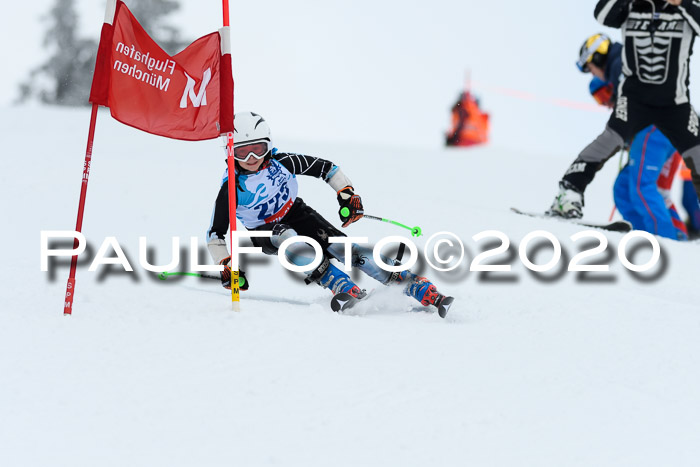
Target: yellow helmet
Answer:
pixel 594 50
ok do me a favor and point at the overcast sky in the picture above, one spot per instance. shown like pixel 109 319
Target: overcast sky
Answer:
pixel 380 71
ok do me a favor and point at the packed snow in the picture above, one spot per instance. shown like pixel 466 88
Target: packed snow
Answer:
pixel 529 369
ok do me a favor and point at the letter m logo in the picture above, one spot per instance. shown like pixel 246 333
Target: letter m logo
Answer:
pixel 197 99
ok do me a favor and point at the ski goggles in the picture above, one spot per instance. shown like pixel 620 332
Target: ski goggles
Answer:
pixel 598 45
pixel 257 150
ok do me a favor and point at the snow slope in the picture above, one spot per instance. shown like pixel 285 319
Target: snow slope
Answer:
pixel 528 369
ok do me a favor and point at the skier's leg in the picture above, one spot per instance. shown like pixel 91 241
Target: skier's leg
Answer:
pixel 648 153
pixel 692 161
pixel 664 184
pixel 303 254
pixel 657 151
pixel 417 287
pixel 581 172
pixel 622 193
pixel 668 175
pixel 691 205
pixel 308 222
pixel 303 220
pixel 625 122
pixel 362 259
pixel 681 125
pixel 628 118
pixel 328 276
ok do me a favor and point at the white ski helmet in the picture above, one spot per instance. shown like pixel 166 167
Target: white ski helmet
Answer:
pixel 248 128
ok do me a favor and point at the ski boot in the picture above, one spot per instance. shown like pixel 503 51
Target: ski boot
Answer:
pixel 424 291
pixel 346 292
pixel 568 203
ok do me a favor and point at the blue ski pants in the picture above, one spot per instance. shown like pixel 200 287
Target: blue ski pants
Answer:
pixel 635 191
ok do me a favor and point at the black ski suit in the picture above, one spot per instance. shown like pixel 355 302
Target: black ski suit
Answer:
pixel 658 40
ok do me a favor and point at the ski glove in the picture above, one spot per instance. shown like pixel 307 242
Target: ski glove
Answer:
pixel 226 275
pixel 351 209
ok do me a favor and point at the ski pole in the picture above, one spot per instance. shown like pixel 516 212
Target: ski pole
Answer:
pixel 164 275
pixel 415 231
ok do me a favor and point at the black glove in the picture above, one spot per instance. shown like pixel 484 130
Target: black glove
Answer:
pixel 226 275
pixel 351 209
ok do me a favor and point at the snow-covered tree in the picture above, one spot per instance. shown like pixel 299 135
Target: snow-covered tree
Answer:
pixel 66 76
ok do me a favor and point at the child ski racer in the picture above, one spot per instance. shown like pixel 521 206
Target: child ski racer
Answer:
pixel 266 196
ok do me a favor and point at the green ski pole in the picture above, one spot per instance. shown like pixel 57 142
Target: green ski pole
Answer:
pixel 415 231
pixel 164 276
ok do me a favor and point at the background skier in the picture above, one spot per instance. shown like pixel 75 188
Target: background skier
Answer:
pixel 641 195
pixel 658 38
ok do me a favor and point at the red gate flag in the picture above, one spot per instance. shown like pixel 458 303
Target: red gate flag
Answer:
pixel 141 84
pixel 188 96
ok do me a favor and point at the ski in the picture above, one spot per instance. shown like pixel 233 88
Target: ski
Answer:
pixel 444 306
pixel 344 301
pixel 616 226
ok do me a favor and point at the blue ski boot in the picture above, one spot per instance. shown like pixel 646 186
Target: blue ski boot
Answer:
pixel 346 292
pixel 424 291
pixel 338 282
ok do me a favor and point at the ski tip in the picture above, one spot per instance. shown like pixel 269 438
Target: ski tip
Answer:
pixel 544 214
pixel 344 301
pixel 341 301
pixel 620 226
pixel 445 305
